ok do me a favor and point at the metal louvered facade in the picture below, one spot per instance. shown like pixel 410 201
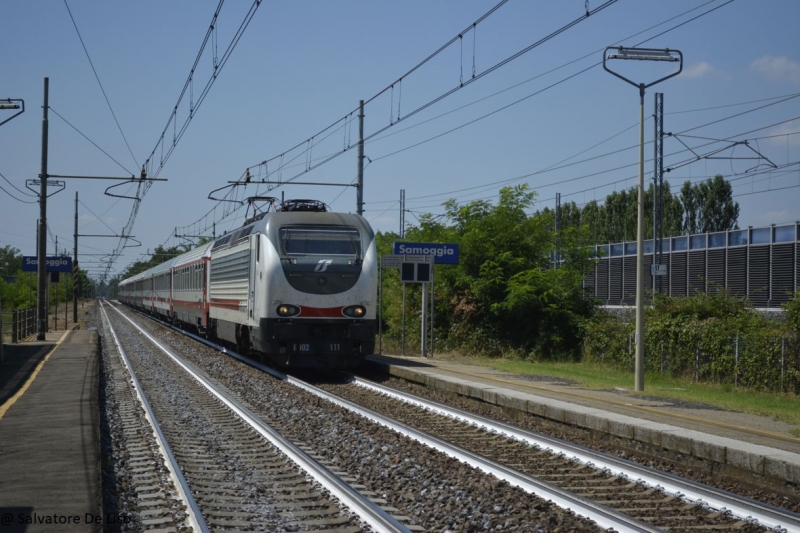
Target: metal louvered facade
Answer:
pixel 761 264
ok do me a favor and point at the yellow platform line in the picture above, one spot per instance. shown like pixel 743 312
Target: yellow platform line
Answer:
pixel 11 401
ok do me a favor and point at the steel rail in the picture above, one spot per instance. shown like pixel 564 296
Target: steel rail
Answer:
pixel 194 517
pixel 602 515
pixel 720 500
pixel 741 507
pixel 369 512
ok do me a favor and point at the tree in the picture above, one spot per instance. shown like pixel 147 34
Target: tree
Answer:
pixel 159 255
pixel 717 211
pixel 10 260
pixel 505 293
pixel 708 206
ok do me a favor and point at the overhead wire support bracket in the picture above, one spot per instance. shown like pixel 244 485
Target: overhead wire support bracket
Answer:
pixel 11 103
pixel 280 183
pixel 712 154
pixel 231 186
pixel 129 238
pixel 132 179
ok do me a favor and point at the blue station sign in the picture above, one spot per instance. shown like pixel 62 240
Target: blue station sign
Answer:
pixel 30 263
pixel 443 254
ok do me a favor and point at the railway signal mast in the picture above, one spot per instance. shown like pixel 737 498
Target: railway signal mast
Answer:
pixel 641 54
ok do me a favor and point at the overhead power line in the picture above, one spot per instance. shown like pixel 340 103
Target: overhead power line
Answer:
pixel 304 148
pixel 595 173
pixel 20 191
pixel 108 102
pixel 310 142
pixel 166 148
pixel 88 139
pixel 284 163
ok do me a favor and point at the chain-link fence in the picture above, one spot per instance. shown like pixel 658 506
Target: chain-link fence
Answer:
pixel 765 362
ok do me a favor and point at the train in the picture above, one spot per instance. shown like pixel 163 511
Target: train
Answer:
pixel 295 286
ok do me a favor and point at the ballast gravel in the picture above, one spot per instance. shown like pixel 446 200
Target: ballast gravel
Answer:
pixel 436 492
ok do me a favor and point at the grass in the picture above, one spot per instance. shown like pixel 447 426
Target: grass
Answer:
pixel 784 407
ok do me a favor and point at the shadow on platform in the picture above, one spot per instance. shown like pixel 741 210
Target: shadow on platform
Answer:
pixel 19 361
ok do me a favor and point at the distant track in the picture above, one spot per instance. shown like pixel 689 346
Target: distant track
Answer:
pixel 625 482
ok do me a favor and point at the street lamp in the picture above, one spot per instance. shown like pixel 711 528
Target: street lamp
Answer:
pixel 641 54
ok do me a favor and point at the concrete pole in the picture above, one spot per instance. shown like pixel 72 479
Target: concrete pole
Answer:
pixel 639 385
pixel 41 297
pixel 75 266
pixel 55 310
pixel 360 176
pixel 403 329
pixel 424 328
pixel 433 310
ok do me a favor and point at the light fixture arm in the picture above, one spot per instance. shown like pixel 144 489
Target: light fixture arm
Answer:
pixel 8 103
pixel 643 54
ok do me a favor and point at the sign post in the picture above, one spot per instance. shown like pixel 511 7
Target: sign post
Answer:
pixel 413 269
pixel 415 261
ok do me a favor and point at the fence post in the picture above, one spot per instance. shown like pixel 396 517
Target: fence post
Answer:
pixel 662 357
pixel 736 362
pixel 14 332
pixel 783 359
pixel 697 362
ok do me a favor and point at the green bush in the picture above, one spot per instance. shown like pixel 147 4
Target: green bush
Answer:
pixel 712 338
pixel 608 340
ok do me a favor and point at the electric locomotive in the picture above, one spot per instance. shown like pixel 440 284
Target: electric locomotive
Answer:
pixel 295 286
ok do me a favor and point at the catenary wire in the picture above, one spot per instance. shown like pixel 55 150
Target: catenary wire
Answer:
pixel 330 157
pixel 219 64
pixel 91 141
pixel 102 89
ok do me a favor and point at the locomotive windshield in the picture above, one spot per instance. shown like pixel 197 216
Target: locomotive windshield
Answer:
pixel 321 240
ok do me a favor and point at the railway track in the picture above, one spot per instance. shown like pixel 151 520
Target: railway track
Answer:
pixel 243 474
pixel 611 492
pixel 149 496
pixel 662 500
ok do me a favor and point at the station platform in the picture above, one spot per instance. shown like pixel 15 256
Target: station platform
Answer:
pixel 49 434
pixel 754 448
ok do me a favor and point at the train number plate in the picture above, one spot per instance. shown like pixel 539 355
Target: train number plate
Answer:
pixel 302 347
pixel 334 347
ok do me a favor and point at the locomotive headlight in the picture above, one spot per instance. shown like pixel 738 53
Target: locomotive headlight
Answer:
pixel 287 310
pixel 355 311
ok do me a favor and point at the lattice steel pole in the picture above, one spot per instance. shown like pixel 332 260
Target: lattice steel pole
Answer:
pixel 658 187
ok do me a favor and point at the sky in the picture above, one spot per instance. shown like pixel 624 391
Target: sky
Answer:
pixel 491 109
